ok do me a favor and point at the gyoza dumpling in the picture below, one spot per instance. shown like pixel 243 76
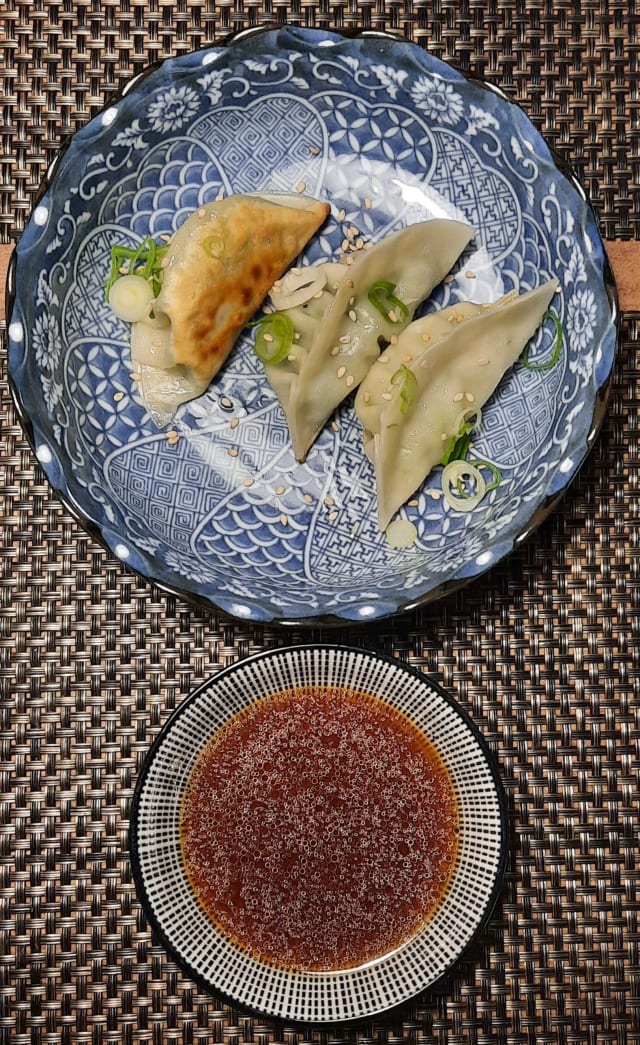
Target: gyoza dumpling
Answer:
pixel 217 271
pixel 303 297
pixel 375 299
pixel 449 366
pixel 374 391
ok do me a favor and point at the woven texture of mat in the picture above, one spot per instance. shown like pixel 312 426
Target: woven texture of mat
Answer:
pixel 544 651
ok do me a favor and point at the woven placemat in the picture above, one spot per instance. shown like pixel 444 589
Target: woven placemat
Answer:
pixel 544 651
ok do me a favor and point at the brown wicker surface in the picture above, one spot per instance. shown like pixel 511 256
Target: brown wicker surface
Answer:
pixel 544 651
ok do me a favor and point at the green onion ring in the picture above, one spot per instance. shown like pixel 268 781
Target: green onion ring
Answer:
pixel 381 296
pixel 275 337
pixel 557 347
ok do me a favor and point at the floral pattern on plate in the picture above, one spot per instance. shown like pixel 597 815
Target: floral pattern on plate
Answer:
pixel 388 135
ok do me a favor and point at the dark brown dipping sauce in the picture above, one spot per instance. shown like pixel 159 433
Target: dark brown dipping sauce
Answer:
pixel 319 828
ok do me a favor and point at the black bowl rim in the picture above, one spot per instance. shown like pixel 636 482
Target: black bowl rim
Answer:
pixel 280 651
pixel 543 510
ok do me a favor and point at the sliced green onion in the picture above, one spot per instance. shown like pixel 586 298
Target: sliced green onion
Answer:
pixel 405 380
pixel 213 246
pixel 401 533
pixel 144 260
pixel 463 486
pixel 131 298
pixel 557 347
pixel 274 338
pixel 496 474
pixel 382 298
pixel 457 446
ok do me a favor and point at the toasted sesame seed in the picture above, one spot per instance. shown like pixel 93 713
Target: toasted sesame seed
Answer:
pixel 426 338
pixel 308 499
pixel 301 186
pixel 367 397
pixel 458 397
pixel 234 422
pixel 413 504
pixel 345 339
pixel 248 481
pixel 136 376
pixel 342 371
pixel 352 299
pixel 333 516
pixel 329 501
pixel 225 401
pixel 284 520
pixel 436 494
pixel 350 380
pixel 314 150
pixel 296 336
pixel 469 396
pixel 118 396
pixel 483 362
pixel 292 357
pixel 348 261
pixel 344 245
pixel 280 489
pixel 448 279
pixel 335 426
pixel 268 337
pixel 352 315
pixel 173 434
pixel 350 284
pixel 470 275
pixel 406 358
pixel 318 295
pixel 342 215
pixel 393 315
pixel 444 437
pixel 387 396
pixel 335 351
pixel 383 359
pixel 201 212
pixel 233 452
pixel 368 203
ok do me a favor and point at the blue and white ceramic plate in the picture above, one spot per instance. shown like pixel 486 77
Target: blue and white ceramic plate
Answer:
pixel 388 135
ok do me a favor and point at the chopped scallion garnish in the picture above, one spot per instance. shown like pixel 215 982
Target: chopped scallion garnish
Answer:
pixel 496 474
pixel 557 347
pixel 405 380
pixel 457 446
pixel 382 298
pixel 144 260
pixel 275 337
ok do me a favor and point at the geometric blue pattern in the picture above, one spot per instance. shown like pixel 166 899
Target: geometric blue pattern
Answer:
pixel 388 135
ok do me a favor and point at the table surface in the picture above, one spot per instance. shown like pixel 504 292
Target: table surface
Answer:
pixel 543 651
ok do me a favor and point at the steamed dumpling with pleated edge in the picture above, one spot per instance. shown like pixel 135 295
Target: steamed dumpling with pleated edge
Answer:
pixel 217 270
pixel 443 364
pixel 370 303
